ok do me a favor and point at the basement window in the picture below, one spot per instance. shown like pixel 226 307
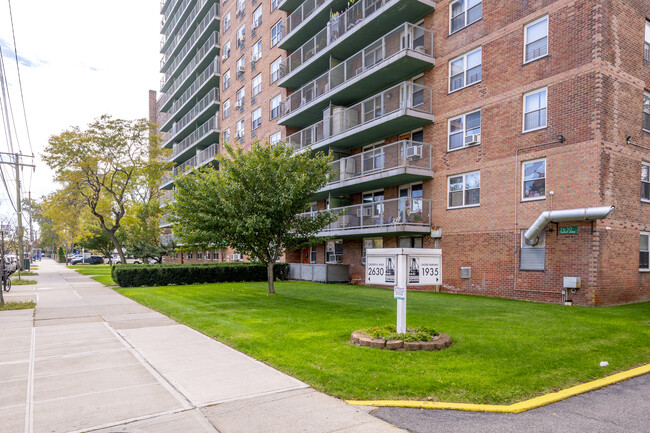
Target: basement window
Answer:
pixel 533 258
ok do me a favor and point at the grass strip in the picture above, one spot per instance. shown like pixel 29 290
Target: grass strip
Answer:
pixel 17 306
pixel 21 282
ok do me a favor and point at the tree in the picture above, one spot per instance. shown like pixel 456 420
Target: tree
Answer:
pixel 96 239
pixel 104 166
pixel 252 202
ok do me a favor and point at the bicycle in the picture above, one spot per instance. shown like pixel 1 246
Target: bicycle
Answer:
pixel 6 282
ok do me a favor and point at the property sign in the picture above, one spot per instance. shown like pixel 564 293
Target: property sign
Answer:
pixel 424 270
pixel 399 293
pixel 570 230
pixel 381 270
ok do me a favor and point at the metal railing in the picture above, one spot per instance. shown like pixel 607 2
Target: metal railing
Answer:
pixel 179 57
pixel 167 24
pixel 298 16
pixel 339 25
pixel 406 95
pixel 198 58
pixel 211 125
pixel 168 238
pixel 209 99
pixel 404 37
pixel 402 154
pixel 415 212
pixel 201 157
pixel 213 68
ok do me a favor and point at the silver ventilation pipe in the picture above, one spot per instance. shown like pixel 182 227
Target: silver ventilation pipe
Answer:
pixel 531 237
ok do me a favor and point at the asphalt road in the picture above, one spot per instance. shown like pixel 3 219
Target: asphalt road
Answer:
pixel 624 407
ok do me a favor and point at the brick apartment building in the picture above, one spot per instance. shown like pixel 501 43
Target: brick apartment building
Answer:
pixel 460 124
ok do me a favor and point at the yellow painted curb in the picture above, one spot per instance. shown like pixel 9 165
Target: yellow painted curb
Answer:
pixel 522 406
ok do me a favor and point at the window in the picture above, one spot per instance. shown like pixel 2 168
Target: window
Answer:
pixel 215 255
pixel 536 40
pixel 276 33
pixel 226 51
pixel 226 136
pixel 369 244
pixel 240 130
pixel 465 70
pixel 275 138
pixel 334 251
pixel 257 51
pixel 646 50
pixel 275 69
pixel 463 13
pixel 373 204
pixel 190 254
pixel 257 119
pixel 241 7
pixel 241 67
pixel 464 190
pixel 275 106
pixel 274 4
pixel 199 255
pixel 532 258
pixel 534 180
pixel 226 79
pixel 257 17
pixel 241 32
pixel 257 85
pixel 240 99
pixel 207 255
pixel 645 181
pixel 535 110
pixel 465 130
pixel 226 22
pixel 410 242
pixel 644 264
pixel 226 108
pixel 646 112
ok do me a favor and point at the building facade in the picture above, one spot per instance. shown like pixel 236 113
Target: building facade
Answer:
pixel 515 136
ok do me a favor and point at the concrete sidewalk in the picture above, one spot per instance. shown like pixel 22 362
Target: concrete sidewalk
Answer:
pixel 89 359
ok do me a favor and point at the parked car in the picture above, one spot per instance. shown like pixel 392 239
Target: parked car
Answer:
pixel 92 260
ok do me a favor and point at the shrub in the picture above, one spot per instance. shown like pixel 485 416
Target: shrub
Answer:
pixel 389 332
pixel 61 255
pixel 171 274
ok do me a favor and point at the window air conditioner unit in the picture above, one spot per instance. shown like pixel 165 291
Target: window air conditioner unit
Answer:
pixel 472 139
pixel 239 135
pixel 414 152
pixel 241 69
pixel 238 105
pixel 255 57
pixel 223 58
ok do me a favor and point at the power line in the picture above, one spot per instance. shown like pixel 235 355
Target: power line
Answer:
pixel 8 99
pixel 20 81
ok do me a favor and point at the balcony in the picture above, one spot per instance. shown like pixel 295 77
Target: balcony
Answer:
pixel 167 238
pixel 402 53
pixel 396 217
pixel 207 79
pixel 399 109
pixel 205 56
pixel 289 5
pixel 202 157
pixel 306 20
pixel 202 111
pixel 397 163
pixel 347 33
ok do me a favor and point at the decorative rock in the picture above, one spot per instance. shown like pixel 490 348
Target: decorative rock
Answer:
pixel 378 343
pixel 355 337
pixel 411 345
pixel 394 344
pixel 428 345
pixel 364 341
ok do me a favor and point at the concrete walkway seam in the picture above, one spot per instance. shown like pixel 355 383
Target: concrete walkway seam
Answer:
pixel 522 406
pixel 29 404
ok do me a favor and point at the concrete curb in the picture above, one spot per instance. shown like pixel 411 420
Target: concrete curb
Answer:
pixel 522 406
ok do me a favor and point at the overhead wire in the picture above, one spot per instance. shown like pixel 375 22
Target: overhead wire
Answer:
pixel 8 100
pixel 20 81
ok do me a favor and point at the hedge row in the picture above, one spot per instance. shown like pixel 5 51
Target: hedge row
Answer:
pixel 164 275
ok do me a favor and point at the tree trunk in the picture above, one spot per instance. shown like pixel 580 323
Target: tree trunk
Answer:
pixel 269 275
pixel 117 245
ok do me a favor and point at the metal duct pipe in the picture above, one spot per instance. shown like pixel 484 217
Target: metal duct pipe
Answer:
pixel 531 237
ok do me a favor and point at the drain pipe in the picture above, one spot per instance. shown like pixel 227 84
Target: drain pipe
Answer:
pixel 531 237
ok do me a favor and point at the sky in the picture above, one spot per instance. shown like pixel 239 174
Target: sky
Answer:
pixel 79 59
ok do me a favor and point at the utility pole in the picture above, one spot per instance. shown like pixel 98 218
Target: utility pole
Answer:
pixel 18 165
pixel 31 228
pixel 2 268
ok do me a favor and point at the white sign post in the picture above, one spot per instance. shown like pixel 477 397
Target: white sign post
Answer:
pixel 402 267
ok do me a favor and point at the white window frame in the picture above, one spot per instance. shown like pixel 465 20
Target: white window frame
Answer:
pixel 523 179
pixel 275 138
pixel 646 45
pixel 226 108
pixel 241 128
pixel 645 164
pixel 646 109
pixel 226 136
pixel 241 35
pixel 226 21
pixel 464 131
pixel 275 105
pixel 277 63
pixel 277 28
pixel 274 4
pixel 257 51
pixel 534 92
pixel 257 22
pixel 364 249
pixel 647 234
pixel 226 49
pixel 464 57
pixel 241 96
pixel 226 79
pixel 527 42
pixel 256 118
pixel 451 4
pixel 241 62
pixel 333 243
pixel 257 85
pixel 464 175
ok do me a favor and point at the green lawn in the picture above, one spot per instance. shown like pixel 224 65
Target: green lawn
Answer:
pixel 503 351
pixel 17 306
pixel 15 281
pixel 100 273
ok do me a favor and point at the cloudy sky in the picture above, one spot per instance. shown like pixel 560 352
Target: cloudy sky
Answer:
pixel 78 59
